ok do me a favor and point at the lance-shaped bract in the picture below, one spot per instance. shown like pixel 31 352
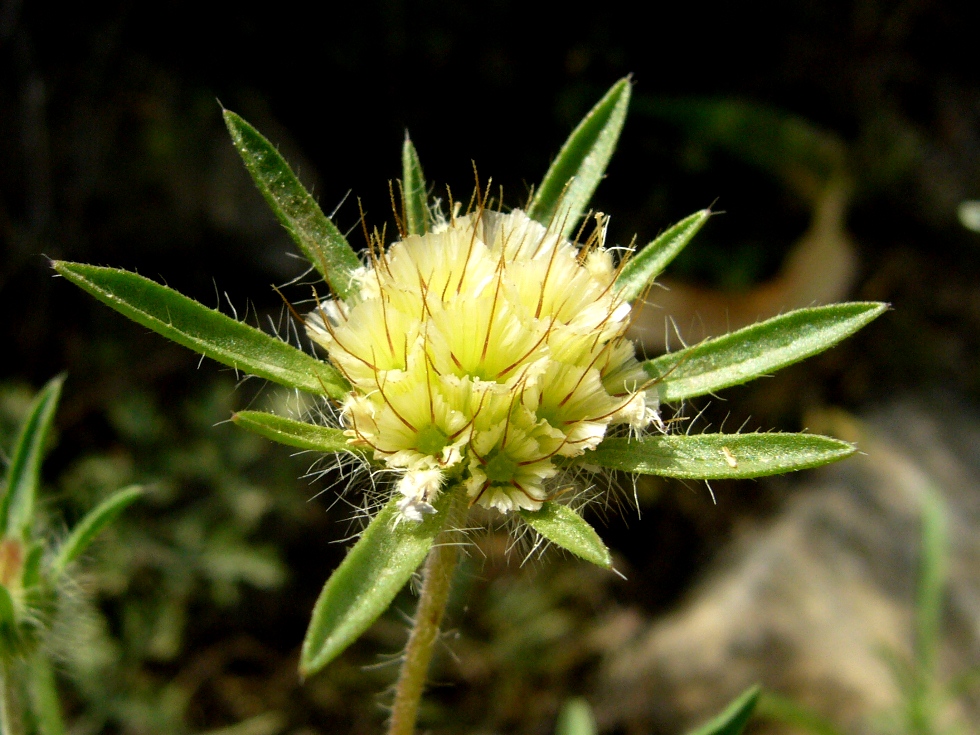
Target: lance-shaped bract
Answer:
pixel 316 236
pixel 576 172
pixel 366 582
pixel 757 350
pixel 204 330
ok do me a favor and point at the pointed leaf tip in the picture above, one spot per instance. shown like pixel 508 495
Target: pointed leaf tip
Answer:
pixel 734 717
pixel 316 236
pixel 641 269
pixel 414 207
pixel 24 474
pixel 576 718
pixel 91 525
pixel 293 433
pixel 205 330
pixel 564 527
pixel 718 456
pixel 757 350
pixel 573 176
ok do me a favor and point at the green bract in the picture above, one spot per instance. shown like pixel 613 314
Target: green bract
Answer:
pixel 472 381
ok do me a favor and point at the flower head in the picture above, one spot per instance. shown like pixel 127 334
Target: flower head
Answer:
pixel 479 357
pixel 482 352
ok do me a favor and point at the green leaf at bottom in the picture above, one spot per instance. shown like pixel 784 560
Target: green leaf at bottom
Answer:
pixel 367 580
pixel 564 527
pixel 735 716
pixel 718 456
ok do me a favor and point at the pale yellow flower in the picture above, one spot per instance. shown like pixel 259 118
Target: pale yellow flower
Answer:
pixel 481 353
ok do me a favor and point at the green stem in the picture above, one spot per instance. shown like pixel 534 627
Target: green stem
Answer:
pixel 11 722
pixel 437 579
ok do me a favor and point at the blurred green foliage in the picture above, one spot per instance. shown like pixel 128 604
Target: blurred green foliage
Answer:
pixel 192 544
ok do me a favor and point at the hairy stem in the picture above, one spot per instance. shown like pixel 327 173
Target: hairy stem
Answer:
pixel 437 579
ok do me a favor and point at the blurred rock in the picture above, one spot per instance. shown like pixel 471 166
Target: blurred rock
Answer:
pixel 813 603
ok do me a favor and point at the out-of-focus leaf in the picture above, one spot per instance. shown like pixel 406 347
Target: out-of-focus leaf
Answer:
pixel 89 527
pixel 267 723
pixel 718 456
pixel 23 477
pixel 8 618
pixel 575 718
pixel 204 330
pixel 735 716
pixel 228 562
pixel 416 212
pixel 317 237
pixel 773 706
pixel 757 350
pixel 32 564
pixel 564 527
pixel 790 147
pixel 293 433
pixel 45 700
pixel 574 175
pixel 368 579
pixel 640 271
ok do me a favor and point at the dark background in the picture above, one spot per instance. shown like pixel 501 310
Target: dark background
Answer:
pixel 113 152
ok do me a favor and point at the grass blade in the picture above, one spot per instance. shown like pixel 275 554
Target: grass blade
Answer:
pixel 574 175
pixel 316 236
pixel 930 595
pixel 735 716
pixel 204 330
pixel 24 475
pixel 718 456
pixel 757 350
pixel 786 711
pixel 564 527
pixel 640 271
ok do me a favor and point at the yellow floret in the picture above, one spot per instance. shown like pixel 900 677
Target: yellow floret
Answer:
pixel 479 353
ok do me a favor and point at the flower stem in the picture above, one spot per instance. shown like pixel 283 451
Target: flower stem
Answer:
pixel 11 722
pixel 437 579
